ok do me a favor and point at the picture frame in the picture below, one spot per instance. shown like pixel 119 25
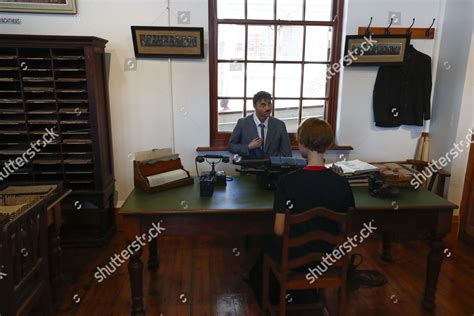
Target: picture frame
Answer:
pixel 376 50
pixel 168 42
pixel 39 6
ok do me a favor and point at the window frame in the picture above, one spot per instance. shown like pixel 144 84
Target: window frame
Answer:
pixel 219 140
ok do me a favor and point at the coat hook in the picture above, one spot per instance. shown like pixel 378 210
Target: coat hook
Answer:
pixel 409 29
pixel 429 29
pixel 387 32
pixel 367 30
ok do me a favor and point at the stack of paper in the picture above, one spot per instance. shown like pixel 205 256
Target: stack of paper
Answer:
pixel 166 177
pixel 28 189
pixel 354 167
pixel 155 155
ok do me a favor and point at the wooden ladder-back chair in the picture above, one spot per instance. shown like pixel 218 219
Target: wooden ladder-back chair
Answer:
pixel 24 261
pixel 290 279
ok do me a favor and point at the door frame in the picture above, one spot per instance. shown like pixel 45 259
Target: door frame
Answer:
pixel 467 203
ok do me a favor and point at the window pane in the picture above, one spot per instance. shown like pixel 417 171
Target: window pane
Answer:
pixel 230 105
pixel 315 81
pixel 318 43
pixel 290 9
pixel 288 111
pixel 249 106
pixel 230 9
pixel 260 42
pixel 231 41
pixel 259 77
pixel 229 111
pixel 287 80
pixel 313 108
pixel 285 104
pixel 319 10
pixel 290 43
pixel 260 9
pixel 230 79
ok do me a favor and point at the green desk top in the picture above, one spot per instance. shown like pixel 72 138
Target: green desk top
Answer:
pixel 244 194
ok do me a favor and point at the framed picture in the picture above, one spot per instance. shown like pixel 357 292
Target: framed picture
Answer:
pixel 375 50
pixel 181 42
pixel 39 6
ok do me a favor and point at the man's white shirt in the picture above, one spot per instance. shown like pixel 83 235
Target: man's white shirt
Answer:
pixel 259 130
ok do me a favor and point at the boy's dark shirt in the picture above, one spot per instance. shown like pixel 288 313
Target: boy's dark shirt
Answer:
pixel 303 190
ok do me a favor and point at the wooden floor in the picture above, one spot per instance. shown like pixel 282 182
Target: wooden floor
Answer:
pixel 201 276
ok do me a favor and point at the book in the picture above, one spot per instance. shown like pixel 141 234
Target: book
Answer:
pixel 354 167
pixel 358 182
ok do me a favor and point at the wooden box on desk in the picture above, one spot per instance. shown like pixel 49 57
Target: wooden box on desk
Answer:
pixel 143 169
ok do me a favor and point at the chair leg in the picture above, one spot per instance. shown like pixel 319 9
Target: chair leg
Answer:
pixel 282 302
pixel 266 285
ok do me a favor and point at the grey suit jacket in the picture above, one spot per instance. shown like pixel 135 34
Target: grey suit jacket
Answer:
pixel 277 142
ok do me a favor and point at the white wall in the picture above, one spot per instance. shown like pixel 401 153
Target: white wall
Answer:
pixel 466 122
pixel 141 100
pixel 453 103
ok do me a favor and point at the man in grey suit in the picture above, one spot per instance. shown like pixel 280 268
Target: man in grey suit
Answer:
pixel 260 135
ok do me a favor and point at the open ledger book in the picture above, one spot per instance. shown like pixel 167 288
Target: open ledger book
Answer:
pixel 354 167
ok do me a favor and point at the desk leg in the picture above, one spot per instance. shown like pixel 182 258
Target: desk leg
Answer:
pixel 387 247
pixel 153 259
pixel 135 271
pixel 435 259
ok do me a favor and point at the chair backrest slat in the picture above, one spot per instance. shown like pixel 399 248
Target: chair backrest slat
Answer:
pixel 339 218
pixel 312 258
pixel 315 235
pixel 343 221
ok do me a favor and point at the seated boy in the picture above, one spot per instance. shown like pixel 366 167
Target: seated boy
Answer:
pixel 304 189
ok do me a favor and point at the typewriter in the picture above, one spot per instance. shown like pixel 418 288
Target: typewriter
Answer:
pixel 268 170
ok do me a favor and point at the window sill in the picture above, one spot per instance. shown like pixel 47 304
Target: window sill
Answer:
pixel 225 148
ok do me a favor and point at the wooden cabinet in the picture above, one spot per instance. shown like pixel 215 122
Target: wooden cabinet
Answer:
pixel 55 126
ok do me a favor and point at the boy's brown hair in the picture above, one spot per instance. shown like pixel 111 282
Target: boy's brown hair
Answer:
pixel 315 134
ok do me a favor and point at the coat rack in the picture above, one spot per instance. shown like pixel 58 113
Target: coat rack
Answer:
pixel 414 32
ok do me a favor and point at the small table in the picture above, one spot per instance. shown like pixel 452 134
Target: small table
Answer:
pixel 243 208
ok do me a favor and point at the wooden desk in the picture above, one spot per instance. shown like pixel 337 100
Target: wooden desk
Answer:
pixel 242 208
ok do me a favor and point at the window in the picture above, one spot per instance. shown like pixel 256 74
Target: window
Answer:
pixel 284 47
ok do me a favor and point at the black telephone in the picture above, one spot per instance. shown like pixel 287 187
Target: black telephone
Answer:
pixel 208 179
pixel 378 188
